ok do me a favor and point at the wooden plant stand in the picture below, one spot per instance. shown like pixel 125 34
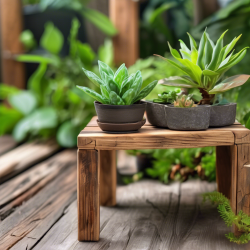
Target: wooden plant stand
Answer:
pixel 96 181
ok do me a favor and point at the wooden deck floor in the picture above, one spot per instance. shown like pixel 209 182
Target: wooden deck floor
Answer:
pixel 38 209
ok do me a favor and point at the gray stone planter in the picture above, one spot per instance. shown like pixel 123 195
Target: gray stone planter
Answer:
pixel 120 113
pixel 196 118
pixel 223 115
pixel 156 114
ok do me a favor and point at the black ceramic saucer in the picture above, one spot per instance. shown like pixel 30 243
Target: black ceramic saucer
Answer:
pixel 121 127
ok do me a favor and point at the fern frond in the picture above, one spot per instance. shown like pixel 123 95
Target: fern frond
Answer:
pixel 216 198
pixel 226 214
pixel 243 239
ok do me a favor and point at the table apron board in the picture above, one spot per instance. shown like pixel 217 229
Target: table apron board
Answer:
pixel 190 140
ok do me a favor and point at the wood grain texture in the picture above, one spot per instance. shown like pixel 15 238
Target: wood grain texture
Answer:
pixel 23 228
pixel 24 156
pixel 88 195
pixel 21 188
pixel 107 162
pixel 92 137
pixel 125 17
pixel 243 179
pixel 13 72
pixel 149 215
pixel 225 167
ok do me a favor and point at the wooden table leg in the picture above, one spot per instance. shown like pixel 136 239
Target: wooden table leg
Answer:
pixel 225 169
pixel 243 178
pixel 88 195
pixel 107 161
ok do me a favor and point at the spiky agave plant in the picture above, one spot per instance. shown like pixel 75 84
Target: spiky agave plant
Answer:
pixel 204 66
pixel 117 88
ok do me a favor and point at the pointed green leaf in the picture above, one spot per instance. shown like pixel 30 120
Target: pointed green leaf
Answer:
pixel 181 68
pixel 194 55
pixel 174 52
pixel 126 84
pixel 200 60
pixel 105 92
pixel 208 72
pixel 229 83
pixel 110 84
pixel 115 99
pixel 185 55
pixel 93 77
pixel 145 91
pixel 104 68
pixel 226 60
pixel 121 74
pixel 216 52
pixel 93 94
pixel 210 41
pixel 137 83
pixel 184 47
pixel 178 81
pixel 234 60
pixel 128 96
pixel 192 41
pixel 230 46
pixel 208 52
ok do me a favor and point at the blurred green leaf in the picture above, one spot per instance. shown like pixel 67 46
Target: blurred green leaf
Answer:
pixel 67 134
pixel 100 21
pixel 38 83
pixel 248 123
pixel 28 40
pixel 52 39
pixel 24 101
pixel 9 118
pixel 106 52
pixel 7 90
pixel 34 59
pixel 42 118
pixel 85 52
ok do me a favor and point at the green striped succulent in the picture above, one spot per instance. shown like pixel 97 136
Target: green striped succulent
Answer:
pixel 203 66
pixel 117 88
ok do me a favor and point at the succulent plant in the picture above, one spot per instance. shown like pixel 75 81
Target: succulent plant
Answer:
pixel 204 66
pixel 167 97
pixel 184 101
pixel 117 88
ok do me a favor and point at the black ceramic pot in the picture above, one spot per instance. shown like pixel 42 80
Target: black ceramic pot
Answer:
pixel 223 115
pixel 156 114
pixel 120 113
pixel 196 118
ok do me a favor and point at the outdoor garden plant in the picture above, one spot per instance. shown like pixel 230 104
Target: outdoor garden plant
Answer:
pixel 204 67
pixel 241 220
pixel 119 101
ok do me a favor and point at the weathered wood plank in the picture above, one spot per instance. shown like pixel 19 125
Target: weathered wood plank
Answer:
pixel 6 143
pixel 19 189
pixel 107 165
pixel 27 225
pixel 149 215
pixel 25 156
pixel 88 179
